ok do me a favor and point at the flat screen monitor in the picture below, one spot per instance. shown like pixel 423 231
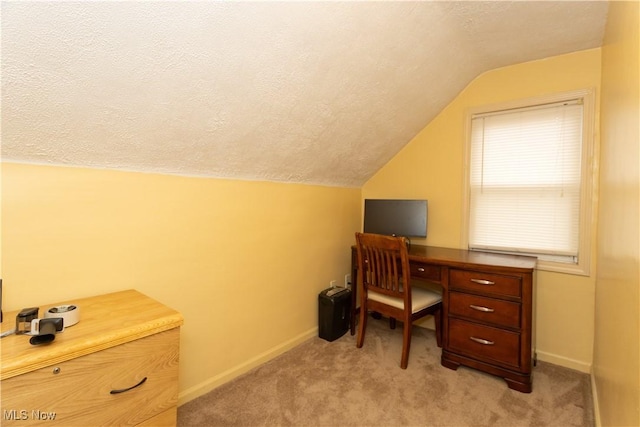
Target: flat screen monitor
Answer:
pixel 406 218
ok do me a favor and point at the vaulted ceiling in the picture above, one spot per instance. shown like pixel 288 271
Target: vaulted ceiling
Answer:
pixel 311 92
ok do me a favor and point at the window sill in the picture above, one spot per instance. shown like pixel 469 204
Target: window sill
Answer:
pixel 578 269
pixel 560 267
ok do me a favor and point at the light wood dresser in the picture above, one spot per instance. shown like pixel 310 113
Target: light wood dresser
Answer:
pixel 117 366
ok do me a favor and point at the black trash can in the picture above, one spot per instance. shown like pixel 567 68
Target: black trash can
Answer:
pixel 334 305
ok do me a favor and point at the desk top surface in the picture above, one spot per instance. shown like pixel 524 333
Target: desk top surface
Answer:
pixel 105 321
pixel 463 258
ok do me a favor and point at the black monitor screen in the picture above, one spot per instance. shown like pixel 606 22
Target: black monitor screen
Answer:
pixel 407 218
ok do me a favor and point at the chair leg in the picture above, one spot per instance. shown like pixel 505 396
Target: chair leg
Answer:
pixel 438 320
pixel 363 324
pixel 406 343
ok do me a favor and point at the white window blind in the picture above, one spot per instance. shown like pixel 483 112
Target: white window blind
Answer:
pixel 525 178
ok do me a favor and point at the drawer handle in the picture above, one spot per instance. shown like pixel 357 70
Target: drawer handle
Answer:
pixel 483 282
pixel 481 308
pixel 122 390
pixel 481 341
pixel 421 269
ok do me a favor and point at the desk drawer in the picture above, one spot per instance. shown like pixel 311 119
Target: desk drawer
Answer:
pixel 79 394
pixel 484 343
pixel 485 283
pixel 486 310
pixel 426 271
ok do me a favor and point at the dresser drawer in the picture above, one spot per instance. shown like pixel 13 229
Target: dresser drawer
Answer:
pixel 80 391
pixel 426 271
pixel 485 283
pixel 484 343
pixel 486 310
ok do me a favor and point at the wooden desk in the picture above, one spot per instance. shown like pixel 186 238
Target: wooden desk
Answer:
pixel 117 366
pixel 487 302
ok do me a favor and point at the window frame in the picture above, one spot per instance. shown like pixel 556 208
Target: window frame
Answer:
pixel 588 182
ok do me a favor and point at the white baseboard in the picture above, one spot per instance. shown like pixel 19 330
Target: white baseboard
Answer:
pixel 226 376
pixel 596 406
pixel 566 362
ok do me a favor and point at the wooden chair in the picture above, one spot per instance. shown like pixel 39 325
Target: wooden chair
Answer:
pixel 385 287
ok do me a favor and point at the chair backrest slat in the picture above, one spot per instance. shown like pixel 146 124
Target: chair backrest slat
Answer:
pixel 384 264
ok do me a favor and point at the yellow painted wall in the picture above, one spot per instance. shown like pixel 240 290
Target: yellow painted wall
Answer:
pixel 431 166
pixel 242 261
pixel 616 360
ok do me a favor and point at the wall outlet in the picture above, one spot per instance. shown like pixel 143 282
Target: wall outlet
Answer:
pixel 347 280
pixel 332 284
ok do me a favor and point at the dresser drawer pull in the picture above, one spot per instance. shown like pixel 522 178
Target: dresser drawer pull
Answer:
pixel 481 341
pixel 421 269
pixel 122 390
pixel 483 282
pixel 481 308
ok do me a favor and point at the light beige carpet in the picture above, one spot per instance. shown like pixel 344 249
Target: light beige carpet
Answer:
pixel 322 383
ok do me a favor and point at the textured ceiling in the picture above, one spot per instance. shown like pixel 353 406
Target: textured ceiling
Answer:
pixel 312 92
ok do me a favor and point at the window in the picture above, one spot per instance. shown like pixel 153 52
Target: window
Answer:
pixel 529 180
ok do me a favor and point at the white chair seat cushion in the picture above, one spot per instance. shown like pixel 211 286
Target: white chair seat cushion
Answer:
pixel 420 299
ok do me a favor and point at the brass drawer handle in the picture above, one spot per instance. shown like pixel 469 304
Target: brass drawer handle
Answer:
pixel 481 341
pixel 421 269
pixel 483 282
pixel 122 390
pixel 481 308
